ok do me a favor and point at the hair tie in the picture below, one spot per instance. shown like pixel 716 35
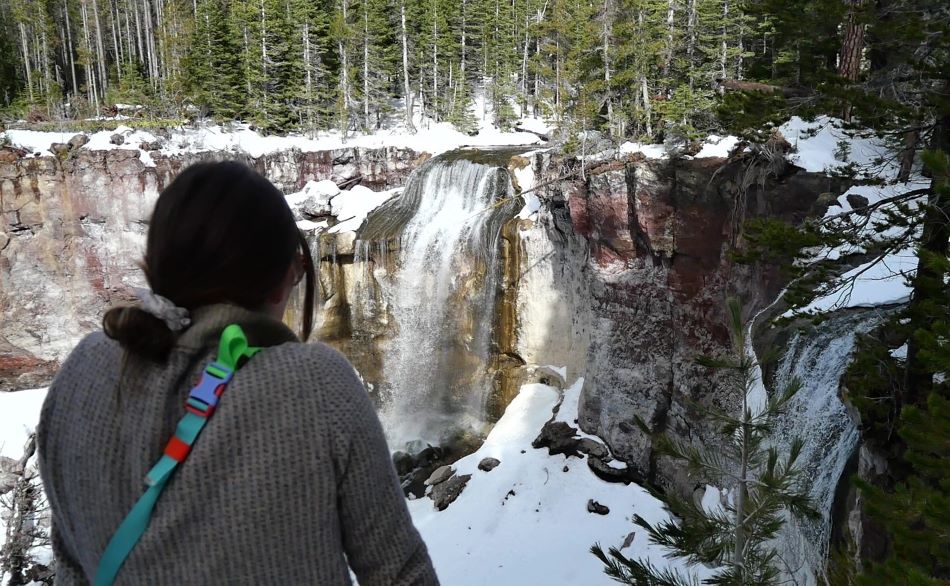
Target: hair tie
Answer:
pixel 176 318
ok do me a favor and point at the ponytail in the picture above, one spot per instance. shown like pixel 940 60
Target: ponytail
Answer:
pixel 139 332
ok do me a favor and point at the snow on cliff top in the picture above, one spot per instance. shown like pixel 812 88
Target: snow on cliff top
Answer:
pixel 824 145
pixel 526 521
pixel 431 137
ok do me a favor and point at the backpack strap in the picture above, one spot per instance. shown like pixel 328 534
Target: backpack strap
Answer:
pixel 233 352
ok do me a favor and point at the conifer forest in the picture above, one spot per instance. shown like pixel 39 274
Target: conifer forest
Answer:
pixel 632 68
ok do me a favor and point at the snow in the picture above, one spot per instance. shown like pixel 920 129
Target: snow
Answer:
pixel 650 151
pixel 817 146
pixel 431 137
pixel 526 521
pixel 350 206
pixel 353 205
pixel 19 413
pixel 35 141
pixel 527 180
pixel 535 124
pixel 875 283
pixel 717 146
pixel 900 353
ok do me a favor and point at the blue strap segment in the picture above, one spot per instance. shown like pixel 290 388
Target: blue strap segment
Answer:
pixel 232 348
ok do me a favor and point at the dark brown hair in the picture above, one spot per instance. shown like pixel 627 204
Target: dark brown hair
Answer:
pixel 220 232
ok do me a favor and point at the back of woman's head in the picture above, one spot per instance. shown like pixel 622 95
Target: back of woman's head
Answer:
pixel 220 232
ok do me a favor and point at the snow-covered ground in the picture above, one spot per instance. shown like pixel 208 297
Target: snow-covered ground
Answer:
pixel 823 145
pixel 19 414
pixel 526 521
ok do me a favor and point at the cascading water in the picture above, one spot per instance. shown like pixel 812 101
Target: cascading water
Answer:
pixel 434 254
pixel 818 416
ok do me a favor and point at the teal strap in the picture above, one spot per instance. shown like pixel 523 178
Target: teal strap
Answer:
pixel 231 349
pixel 127 535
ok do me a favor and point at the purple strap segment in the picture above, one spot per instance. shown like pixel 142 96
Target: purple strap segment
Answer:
pixel 205 390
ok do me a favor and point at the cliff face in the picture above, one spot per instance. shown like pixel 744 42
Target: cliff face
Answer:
pixel 74 227
pixel 659 234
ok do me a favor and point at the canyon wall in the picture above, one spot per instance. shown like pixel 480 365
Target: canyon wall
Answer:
pixel 620 277
pixel 73 228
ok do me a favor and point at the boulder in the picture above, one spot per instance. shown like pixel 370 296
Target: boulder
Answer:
pixel 488 464
pixel 559 438
pixel 440 475
pixel 595 507
pixel 154 145
pixel 608 474
pixel 857 201
pixel 78 141
pixel 60 150
pixel 592 448
pixel 445 493
pixel 402 462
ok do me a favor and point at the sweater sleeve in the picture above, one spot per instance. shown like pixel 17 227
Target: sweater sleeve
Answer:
pixel 382 545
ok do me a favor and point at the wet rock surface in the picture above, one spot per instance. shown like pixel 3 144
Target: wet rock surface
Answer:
pixel 445 493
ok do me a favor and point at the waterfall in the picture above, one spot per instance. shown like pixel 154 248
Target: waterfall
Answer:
pixel 816 414
pixel 434 252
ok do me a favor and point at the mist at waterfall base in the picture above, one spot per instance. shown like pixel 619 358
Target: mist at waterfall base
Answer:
pixel 440 283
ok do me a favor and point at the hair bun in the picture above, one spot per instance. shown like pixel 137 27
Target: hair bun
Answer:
pixel 139 332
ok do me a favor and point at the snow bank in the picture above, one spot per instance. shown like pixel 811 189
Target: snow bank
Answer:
pixel 717 146
pixel 526 521
pixel 350 207
pixel 650 151
pixel 819 148
pixel 881 282
pixel 19 414
pixel 353 205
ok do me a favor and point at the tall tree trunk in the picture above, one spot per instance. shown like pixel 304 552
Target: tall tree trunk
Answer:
pixel 308 74
pixel 724 44
pixel 606 33
pixel 365 68
pixel 345 73
pixel 435 61
pixel 88 66
pixel 852 47
pixel 24 43
pixel 668 51
pixel 911 138
pixel 100 51
pixel 69 47
pixel 647 107
pixel 524 61
pixel 117 46
pixel 407 90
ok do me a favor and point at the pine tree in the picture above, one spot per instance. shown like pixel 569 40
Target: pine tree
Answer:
pixel 379 61
pixel 213 64
pixel 763 485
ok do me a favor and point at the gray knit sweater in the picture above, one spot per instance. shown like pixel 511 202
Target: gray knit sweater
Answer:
pixel 289 482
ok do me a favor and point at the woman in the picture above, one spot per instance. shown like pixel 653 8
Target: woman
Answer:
pixel 290 482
